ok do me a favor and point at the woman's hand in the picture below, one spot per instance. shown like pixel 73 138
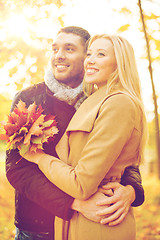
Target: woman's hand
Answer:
pixel 34 156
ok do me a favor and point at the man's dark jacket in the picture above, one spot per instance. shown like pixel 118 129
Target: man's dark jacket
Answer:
pixel 37 200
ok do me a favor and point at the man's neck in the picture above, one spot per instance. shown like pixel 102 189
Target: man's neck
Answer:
pixel 64 92
pixel 72 84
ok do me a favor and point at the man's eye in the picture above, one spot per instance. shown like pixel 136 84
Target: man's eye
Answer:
pixel 55 50
pixel 70 49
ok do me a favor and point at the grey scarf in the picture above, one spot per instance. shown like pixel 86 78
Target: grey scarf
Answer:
pixel 73 96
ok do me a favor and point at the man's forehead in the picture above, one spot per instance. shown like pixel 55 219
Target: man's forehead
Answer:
pixel 67 38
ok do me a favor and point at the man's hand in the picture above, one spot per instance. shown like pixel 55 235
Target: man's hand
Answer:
pixel 118 204
pixel 89 207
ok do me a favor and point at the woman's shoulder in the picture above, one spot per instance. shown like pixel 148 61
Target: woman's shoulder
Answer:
pixel 122 100
pixel 121 103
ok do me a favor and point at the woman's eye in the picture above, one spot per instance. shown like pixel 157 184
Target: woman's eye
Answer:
pixel 101 54
pixel 88 54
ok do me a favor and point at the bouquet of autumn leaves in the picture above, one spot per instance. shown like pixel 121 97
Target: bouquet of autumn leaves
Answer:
pixel 27 128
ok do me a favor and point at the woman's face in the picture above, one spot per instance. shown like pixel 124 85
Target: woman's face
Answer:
pixel 100 62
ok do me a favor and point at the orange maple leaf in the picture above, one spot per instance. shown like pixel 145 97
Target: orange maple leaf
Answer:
pixel 27 128
pixel 34 130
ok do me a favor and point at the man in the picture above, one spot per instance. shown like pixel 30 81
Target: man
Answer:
pixel 37 200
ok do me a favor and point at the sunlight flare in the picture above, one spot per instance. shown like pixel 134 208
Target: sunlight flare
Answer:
pixel 17 25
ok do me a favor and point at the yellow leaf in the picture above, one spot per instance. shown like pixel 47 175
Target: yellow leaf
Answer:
pixel 123 28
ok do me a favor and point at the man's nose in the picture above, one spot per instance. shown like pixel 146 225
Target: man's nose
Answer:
pixel 60 54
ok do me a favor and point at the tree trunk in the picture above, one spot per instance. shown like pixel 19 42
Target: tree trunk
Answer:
pixel 157 131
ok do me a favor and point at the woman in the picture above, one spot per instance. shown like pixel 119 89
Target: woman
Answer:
pixel 106 135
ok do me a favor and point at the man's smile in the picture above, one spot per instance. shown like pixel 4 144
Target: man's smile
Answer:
pixel 61 67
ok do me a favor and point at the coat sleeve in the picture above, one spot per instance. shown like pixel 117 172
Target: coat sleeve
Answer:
pixel 27 178
pixel 112 129
pixel 132 177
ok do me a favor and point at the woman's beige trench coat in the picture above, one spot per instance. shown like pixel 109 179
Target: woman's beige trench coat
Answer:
pixel 101 140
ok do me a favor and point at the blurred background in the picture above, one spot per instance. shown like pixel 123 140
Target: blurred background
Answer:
pixel 27 29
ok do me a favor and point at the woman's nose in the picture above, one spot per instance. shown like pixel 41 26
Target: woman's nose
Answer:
pixel 91 59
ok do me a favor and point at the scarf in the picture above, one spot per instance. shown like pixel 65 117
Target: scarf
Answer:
pixel 73 96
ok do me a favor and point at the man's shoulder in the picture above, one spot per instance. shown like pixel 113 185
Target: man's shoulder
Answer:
pixel 33 90
pixel 34 93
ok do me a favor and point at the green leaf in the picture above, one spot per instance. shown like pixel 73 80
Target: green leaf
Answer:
pixel 23 149
pixel 47 123
pixel 37 140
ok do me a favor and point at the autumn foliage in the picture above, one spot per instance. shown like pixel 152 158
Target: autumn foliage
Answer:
pixel 27 128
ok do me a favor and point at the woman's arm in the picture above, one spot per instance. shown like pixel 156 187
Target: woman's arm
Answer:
pixel 112 129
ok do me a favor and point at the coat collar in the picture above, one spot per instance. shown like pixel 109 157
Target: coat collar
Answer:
pixel 84 118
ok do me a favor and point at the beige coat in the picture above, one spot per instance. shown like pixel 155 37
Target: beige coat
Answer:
pixel 101 140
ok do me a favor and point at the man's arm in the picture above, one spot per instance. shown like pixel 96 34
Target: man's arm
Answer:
pixel 118 204
pixel 132 177
pixel 30 181
pixel 109 205
pixel 27 178
pixel 89 207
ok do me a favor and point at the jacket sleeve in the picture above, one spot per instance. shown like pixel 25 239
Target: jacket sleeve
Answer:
pixel 132 177
pixel 27 178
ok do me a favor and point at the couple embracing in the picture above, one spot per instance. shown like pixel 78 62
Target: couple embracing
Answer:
pixel 88 177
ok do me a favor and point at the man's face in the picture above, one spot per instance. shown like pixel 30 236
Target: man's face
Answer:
pixel 67 60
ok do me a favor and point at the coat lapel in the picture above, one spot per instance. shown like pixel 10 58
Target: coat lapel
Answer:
pixel 62 148
pixel 83 120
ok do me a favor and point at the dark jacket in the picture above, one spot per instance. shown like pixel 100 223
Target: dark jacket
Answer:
pixel 37 200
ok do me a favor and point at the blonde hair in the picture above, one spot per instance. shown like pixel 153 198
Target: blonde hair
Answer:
pixel 124 78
